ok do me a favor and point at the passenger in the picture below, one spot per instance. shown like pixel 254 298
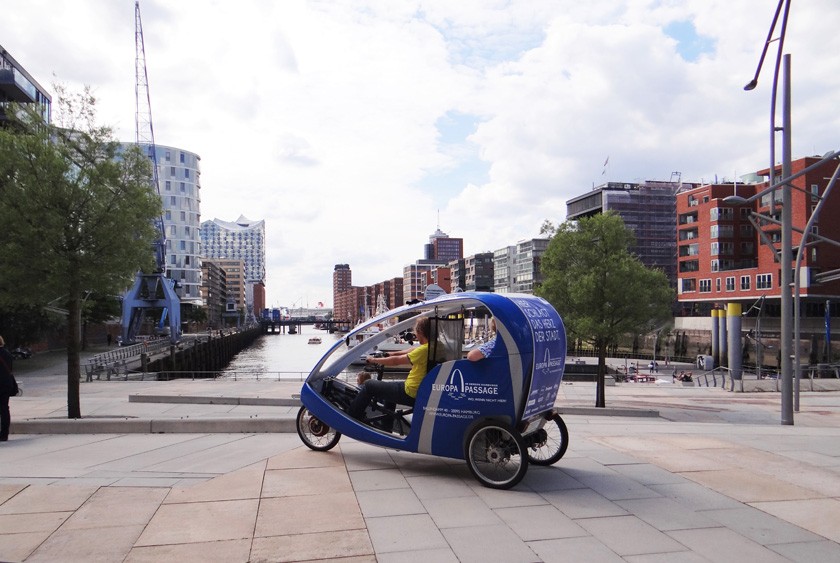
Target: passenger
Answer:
pixel 8 387
pixel 485 349
pixel 396 392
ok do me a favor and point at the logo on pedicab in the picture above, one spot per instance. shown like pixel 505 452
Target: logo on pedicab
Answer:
pixel 548 363
pixel 456 388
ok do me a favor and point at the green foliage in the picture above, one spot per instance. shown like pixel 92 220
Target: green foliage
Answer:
pixel 601 289
pixel 74 207
pixel 24 325
pixel 77 214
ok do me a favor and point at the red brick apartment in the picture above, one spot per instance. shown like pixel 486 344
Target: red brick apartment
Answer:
pixel 722 258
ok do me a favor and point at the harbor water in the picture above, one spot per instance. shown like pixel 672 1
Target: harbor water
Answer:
pixel 281 356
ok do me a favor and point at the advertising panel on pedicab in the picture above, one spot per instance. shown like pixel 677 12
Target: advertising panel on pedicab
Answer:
pixel 549 354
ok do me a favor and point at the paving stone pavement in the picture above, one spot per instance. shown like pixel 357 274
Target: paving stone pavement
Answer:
pixel 715 477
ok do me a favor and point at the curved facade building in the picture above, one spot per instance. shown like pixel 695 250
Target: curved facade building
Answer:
pixel 243 240
pixel 180 186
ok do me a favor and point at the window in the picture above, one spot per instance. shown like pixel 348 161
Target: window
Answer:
pixel 730 283
pixel 168 215
pixel 182 158
pixel 813 254
pixel 717 285
pixel 747 247
pixel 186 172
pixel 705 286
pixel 764 281
pixel 183 187
pixel 168 156
pixel 745 283
pixel 715 265
pixel 172 171
pixel 689 285
pixel 714 249
pixel 721 213
pixel 183 245
pixel 745 212
pixel 746 230
pixel 183 215
pixel 173 200
pixel 815 192
pixel 168 185
pixel 173 230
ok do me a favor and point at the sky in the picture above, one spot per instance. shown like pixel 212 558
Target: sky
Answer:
pixel 356 128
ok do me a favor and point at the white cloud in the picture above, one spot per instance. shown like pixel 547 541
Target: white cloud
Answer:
pixel 322 117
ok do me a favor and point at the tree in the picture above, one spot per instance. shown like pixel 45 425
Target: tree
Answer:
pixel 77 214
pixel 600 289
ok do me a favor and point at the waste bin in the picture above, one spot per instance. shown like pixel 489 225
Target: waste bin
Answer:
pixel 705 362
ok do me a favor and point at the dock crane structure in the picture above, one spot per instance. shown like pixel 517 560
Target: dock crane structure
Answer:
pixel 151 291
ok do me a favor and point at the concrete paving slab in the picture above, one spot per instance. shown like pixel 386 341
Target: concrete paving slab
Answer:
pixel 461 511
pixel 443 555
pixel 544 479
pixel 816 515
pixel 86 545
pixel 19 546
pixel 117 506
pixel 377 479
pixel 543 522
pixel 486 544
pixel 761 527
pixel 338 545
pixel 580 550
pixel 413 532
pixel 229 551
pixel 747 486
pixel 696 497
pixel 308 481
pixel 389 502
pixel 299 456
pixel 200 522
pixel 583 503
pixel 34 522
pixel 724 546
pixel 39 498
pixel 444 486
pixel 666 514
pixel 629 535
pixel 808 552
pixel 311 514
pixel 245 483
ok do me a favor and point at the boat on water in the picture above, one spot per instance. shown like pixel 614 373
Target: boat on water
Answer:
pixel 314 340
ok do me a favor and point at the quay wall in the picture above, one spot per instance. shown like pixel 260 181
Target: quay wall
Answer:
pixel 211 355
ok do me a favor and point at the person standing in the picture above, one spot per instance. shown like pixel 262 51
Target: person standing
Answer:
pixel 8 387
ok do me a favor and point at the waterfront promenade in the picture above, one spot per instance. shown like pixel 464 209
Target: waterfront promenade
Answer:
pixel 212 470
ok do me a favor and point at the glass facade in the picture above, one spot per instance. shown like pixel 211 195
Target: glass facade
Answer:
pixel 243 240
pixel 181 218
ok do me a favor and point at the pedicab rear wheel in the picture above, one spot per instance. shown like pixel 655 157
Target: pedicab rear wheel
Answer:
pixel 314 433
pixel 548 444
pixel 495 454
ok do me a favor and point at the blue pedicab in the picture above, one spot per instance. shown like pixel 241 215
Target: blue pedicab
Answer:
pixel 496 413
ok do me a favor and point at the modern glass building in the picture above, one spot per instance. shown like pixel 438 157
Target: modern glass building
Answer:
pixel 17 85
pixel 242 239
pixel 179 176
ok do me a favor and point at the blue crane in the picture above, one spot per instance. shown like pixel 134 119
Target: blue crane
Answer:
pixel 151 292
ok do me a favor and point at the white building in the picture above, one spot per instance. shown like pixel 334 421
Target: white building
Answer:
pixel 179 176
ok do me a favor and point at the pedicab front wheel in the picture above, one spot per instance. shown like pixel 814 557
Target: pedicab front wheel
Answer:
pixel 496 456
pixel 314 433
pixel 548 444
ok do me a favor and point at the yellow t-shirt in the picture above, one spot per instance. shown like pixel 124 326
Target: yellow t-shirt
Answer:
pixel 419 358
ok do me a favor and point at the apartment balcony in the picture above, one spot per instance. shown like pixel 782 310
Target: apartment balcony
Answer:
pixel 16 88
